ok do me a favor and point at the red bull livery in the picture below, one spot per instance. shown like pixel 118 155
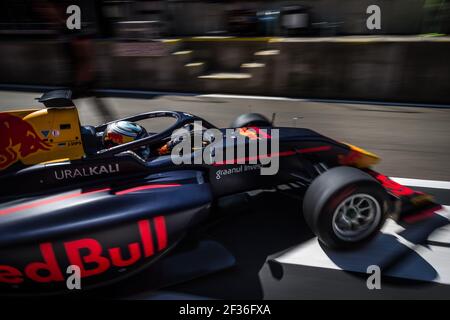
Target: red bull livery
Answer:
pixel 67 201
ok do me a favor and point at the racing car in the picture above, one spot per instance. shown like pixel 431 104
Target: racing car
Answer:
pixel 68 199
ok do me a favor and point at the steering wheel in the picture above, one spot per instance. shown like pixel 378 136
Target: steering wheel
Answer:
pixel 181 119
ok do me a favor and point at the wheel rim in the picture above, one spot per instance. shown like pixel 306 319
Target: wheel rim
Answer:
pixel 356 217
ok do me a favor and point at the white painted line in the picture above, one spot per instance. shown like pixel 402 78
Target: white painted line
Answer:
pixel 15 87
pixel 226 76
pixel 267 53
pixel 233 96
pixel 194 64
pixel 382 251
pixel 178 53
pixel 380 103
pixel 423 183
pixel 250 65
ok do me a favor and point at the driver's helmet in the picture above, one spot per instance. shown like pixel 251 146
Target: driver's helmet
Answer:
pixel 120 132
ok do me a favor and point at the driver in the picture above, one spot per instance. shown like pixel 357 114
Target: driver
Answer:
pixel 120 132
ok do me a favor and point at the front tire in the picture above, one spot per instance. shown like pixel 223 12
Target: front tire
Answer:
pixel 345 207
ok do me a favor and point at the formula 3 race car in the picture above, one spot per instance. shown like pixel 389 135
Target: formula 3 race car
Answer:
pixel 67 201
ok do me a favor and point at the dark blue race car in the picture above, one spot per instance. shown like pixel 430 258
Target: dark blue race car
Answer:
pixel 112 211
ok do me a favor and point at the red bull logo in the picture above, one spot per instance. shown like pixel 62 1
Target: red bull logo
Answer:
pixel 93 257
pixel 18 139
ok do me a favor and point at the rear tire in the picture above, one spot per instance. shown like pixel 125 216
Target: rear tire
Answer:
pixel 251 120
pixel 345 207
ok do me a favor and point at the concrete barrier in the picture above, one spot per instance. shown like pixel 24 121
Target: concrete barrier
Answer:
pixel 400 69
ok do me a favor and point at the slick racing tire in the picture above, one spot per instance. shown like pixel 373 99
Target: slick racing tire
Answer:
pixel 250 120
pixel 345 207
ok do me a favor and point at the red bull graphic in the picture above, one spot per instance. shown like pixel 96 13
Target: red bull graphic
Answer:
pixel 18 139
pixel 93 257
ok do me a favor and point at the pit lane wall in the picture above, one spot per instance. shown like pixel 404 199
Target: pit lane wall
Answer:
pixel 400 69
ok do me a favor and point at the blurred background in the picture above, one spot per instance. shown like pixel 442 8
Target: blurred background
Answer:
pixel 310 49
pixel 313 63
pixel 150 19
